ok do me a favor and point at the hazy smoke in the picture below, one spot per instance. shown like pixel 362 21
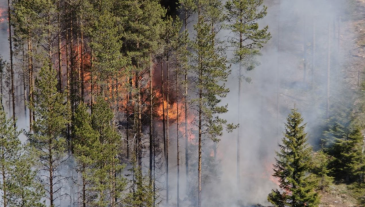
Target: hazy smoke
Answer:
pixel 308 43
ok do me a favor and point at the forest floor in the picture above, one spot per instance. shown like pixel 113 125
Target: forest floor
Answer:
pixel 337 196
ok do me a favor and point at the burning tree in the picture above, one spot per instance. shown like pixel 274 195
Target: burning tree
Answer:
pixel 292 166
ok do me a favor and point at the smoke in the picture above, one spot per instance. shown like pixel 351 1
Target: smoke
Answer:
pixel 304 57
pixel 305 65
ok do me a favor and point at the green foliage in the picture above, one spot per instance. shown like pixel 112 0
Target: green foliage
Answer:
pixel 141 192
pixel 320 171
pixel 18 184
pixel 210 67
pixel 347 159
pixel 292 167
pixel 242 20
pixel 104 164
pixel 51 117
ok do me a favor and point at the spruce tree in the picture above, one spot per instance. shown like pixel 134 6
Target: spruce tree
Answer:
pixel 347 159
pixel 292 167
pixel 49 144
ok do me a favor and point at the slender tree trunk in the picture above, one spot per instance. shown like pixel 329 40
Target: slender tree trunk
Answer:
pixel 24 81
pixel 163 124
pixel 328 70
pixel 127 113
pixel 186 114
pixel 11 64
pixel 177 142
pixel 239 103
pixel 200 109
pixel 83 188
pixel 31 83
pixel 51 196
pixel 151 120
pixel 68 84
pixel 139 129
pixel 167 129
pixel 313 50
pixel 82 61
pixel 59 48
pixel 5 192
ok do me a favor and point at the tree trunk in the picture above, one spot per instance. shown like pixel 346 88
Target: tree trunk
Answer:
pixel 139 124
pixel 163 123
pixel 313 50
pixel 24 81
pixel 177 142
pixel 200 108
pixel 167 130
pixel 11 64
pixel 5 200
pixel 59 49
pixel 151 119
pixel 31 83
pixel 328 70
pixel 51 196
pixel 186 115
pixel 83 188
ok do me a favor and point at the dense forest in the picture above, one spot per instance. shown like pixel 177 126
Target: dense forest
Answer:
pixel 147 103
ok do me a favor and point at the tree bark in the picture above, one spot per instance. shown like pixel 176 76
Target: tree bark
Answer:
pixel 167 129
pixel 11 64
pixel 328 70
pixel 151 120
pixel 59 48
pixel 177 142
pixel 31 83
pixel 186 114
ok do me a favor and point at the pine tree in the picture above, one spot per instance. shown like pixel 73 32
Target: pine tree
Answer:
pixel 211 72
pixel 18 184
pixel 143 194
pixel 187 8
pixel 292 166
pixel 26 190
pixel 106 180
pixel 9 152
pixel 51 119
pixel 86 147
pixel 247 40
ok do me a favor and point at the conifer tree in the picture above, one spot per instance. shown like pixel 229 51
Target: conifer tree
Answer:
pixel 18 180
pixel 247 40
pixel 292 165
pixel 26 190
pixel 9 152
pixel 143 194
pixel 347 159
pixel 106 180
pixel 51 119
pixel 320 170
pixel 86 147
pixel 187 8
pixel 211 71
